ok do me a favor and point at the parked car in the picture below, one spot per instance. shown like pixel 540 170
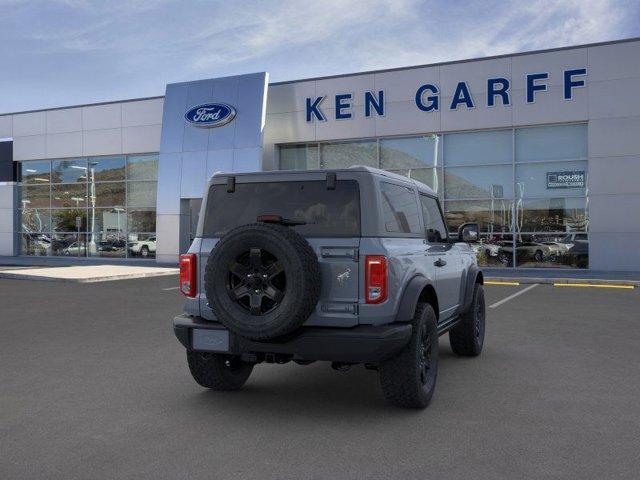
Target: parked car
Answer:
pixel 74 250
pixel 525 251
pixel 348 266
pixel 144 248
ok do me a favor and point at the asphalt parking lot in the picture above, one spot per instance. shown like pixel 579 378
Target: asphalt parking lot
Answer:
pixel 94 385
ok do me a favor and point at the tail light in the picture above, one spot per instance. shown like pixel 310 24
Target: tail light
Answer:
pixel 375 282
pixel 188 274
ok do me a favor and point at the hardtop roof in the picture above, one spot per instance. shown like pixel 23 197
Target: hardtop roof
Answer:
pixel 355 168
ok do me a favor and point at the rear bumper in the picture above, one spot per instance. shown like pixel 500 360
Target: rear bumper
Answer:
pixel 361 344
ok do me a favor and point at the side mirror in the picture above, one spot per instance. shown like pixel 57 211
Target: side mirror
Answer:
pixel 469 233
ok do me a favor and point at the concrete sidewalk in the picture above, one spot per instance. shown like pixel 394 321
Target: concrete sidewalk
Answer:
pixel 560 276
pixel 85 273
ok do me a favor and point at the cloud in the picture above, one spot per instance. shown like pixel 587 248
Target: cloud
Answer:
pixel 120 49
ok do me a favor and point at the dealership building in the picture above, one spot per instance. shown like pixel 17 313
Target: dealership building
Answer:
pixel 542 149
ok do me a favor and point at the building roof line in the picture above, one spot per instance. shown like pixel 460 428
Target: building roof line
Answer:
pixel 466 60
pixel 355 74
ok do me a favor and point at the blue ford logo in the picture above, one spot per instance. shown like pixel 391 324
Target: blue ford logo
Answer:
pixel 210 115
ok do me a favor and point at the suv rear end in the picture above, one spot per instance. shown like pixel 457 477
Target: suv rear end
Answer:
pixel 318 265
pixel 330 210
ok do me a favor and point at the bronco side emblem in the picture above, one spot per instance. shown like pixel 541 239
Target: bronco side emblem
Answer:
pixel 343 277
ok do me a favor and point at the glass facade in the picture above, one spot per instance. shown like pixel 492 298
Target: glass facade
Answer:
pixel 525 187
pixel 95 206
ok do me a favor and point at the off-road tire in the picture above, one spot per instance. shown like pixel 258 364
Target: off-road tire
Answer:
pixel 467 337
pixel 218 372
pixel 401 376
pixel 301 269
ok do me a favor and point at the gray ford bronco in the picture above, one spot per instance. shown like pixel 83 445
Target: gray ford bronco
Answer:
pixel 349 266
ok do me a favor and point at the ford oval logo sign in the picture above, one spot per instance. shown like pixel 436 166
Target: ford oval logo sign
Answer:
pixel 210 115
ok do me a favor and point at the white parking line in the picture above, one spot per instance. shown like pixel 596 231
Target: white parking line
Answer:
pixel 511 297
pixel 171 288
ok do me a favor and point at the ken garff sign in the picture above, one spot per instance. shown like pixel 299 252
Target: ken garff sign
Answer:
pixel 427 96
pixel 567 179
pixel 210 115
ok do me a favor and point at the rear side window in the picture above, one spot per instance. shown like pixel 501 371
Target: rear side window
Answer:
pixel 399 209
pixel 327 213
pixel 434 226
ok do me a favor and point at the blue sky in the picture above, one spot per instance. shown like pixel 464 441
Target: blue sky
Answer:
pixel 67 52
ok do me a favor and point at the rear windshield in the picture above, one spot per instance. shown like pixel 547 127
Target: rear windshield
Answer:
pixel 327 213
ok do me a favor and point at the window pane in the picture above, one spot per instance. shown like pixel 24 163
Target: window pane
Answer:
pixel 37 244
pixel 69 245
pixel 109 194
pixel 69 171
pixel 69 195
pixel 325 213
pixel 556 250
pixel 35 220
pixel 434 227
pixel 142 167
pixel 413 152
pixel 65 220
pixel 343 155
pixel 142 220
pixel 107 223
pixel 551 179
pixel 35 172
pixel 141 194
pixel 478 148
pixel 35 196
pixel 107 168
pixel 479 182
pixel 492 216
pixel 105 245
pixel 142 245
pixel 399 209
pixel 107 227
pixel 429 176
pixel 298 157
pixel 559 142
pixel 552 215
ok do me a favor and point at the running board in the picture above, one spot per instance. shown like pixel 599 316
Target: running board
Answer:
pixel 447 325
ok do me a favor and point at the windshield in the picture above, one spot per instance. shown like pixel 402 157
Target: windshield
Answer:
pixel 323 212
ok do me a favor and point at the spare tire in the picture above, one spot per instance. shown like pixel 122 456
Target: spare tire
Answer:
pixel 262 281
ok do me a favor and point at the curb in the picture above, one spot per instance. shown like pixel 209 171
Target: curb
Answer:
pixel 22 276
pixel 564 281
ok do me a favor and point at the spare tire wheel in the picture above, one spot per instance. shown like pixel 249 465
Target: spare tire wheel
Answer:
pixel 262 281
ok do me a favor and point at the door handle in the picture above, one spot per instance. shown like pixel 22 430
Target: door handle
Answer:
pixel 440 263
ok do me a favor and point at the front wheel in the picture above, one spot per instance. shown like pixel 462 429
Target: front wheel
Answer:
pixel 218 372
pixel 409 379
pixel 467 337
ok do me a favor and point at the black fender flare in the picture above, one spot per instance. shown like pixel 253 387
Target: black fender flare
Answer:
pixel 474 275
pixel 409 300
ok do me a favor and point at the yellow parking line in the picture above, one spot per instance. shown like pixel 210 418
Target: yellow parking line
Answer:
pixel 495 282
pixel 593 285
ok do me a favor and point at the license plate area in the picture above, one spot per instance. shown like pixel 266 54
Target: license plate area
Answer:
pixel 210 340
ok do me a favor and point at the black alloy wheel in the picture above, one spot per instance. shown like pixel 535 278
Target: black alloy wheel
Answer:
pixel 256 281
pixel 425 356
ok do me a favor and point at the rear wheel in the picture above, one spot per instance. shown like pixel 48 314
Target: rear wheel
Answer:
pixel 218 372
pixel 409 379
pixel 467 337
pixel 144 251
